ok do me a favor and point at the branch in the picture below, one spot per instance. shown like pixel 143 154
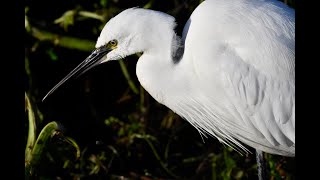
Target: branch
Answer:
pixel 63 41
pixel 128 78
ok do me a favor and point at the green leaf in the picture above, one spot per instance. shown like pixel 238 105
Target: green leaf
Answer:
pixel 66 20
pixel 230 164
pixel 46 133
pixel 74 144
pixel 31 130
pixel 53 56
pixel 104 3
pixel 92 15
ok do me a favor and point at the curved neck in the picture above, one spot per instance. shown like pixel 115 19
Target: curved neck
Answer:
pixel 155 73
pixel 156 68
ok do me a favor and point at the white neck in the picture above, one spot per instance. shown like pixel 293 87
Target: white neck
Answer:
pixel 156 69
pixel 155 74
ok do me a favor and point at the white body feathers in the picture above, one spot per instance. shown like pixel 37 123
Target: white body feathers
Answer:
pixel 236 79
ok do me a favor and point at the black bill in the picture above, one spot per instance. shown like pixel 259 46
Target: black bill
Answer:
pixel 91 61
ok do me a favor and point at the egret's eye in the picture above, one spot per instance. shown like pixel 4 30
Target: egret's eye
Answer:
pixel 113 43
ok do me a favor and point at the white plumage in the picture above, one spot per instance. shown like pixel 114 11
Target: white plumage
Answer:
pixel 236 78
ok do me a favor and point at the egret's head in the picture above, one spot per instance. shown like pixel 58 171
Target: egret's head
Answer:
pixel 133 30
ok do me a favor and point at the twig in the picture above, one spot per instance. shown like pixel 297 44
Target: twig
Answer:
pixel 163 165
pixel 91 15
pixel 63 41
pixel 159 159
pixel 128 78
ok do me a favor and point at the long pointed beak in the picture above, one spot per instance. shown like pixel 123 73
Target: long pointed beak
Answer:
pixel 91 61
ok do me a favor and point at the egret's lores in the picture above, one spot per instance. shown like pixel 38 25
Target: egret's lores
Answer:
pixel 231 75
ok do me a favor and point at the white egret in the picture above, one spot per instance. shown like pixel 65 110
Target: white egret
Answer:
pixel 231 75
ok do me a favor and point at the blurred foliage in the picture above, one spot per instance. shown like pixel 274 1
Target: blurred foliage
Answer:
pixel 104 125
pixel 36 145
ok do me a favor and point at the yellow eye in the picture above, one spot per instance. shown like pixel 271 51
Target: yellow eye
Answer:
pixel 113 43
